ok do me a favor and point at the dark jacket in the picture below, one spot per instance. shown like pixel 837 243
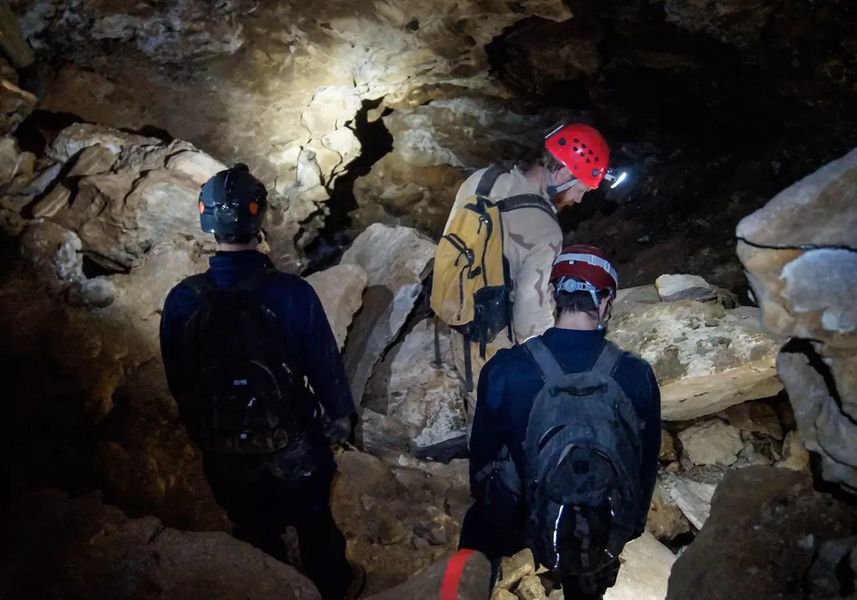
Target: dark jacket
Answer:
pixel 310 345
pixel 510 381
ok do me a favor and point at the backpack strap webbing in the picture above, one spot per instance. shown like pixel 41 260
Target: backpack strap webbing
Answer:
pixel 545 360
pixel 486 182
pixel 608 360
pixel 528 201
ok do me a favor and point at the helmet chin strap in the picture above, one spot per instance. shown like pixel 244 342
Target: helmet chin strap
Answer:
pixel 553 190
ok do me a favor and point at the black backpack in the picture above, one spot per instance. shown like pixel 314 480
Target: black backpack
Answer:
pixel 582 465
pixel 243 395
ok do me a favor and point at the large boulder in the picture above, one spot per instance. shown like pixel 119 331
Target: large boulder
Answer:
pixel 426 585
pixel 340 289
pixel 395 260
pixel 706 358
pixel 57 547
pixel 397 519
pixel 422 402
pixel 765 528
pixel 799 251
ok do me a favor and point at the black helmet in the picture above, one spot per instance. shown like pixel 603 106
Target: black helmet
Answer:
pixel 232 204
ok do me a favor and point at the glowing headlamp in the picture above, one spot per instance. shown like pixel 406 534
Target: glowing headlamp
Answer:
pixel 615 179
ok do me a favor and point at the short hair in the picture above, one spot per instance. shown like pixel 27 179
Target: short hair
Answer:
pixel 550 162
pixel 578 301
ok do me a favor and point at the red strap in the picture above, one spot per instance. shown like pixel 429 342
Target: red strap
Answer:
pixel 452 576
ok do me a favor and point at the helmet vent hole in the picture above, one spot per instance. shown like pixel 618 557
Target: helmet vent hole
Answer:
pixel 576 148
pixel 583 146
pixel 562 141
pixel 576 140
pixel 596 159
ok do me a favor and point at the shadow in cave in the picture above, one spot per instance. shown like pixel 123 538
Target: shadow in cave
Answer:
pixel 375 142
pixel 40 129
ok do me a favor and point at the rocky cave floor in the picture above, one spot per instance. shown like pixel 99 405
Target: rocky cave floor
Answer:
pixel 362 144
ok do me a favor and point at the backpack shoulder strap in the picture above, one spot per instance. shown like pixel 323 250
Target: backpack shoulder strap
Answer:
pixel 545 360
pixel 486 182
pixel 199 284
pixel 528 201
pixel 608 360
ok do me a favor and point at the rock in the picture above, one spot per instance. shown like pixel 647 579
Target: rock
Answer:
pixel 630 299
pixel 693 498
pixel 514 568
pixel 823 424
pixel 755 417
pixel 80 136
pixel 646 565
pixel 711 442
pixel 668 450
pixel 706 358
pixel 426 584
pixel 530 588
pixel 83 548
pixel 734 22
pixel 340 289
pixel 55 254
pixel 15 105
pixel 410 389
pixel 799 254
pixel 780 522
pixel 795 454
pixel 394 259
pixel 684 287
pixel 833 574
pixel 665 520
pixel 380 513
pixel 50 205
pixel 501 594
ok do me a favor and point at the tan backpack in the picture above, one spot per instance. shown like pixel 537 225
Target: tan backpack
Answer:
pixel 471 286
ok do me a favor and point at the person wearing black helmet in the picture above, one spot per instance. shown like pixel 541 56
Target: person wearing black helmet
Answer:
pixel 260 385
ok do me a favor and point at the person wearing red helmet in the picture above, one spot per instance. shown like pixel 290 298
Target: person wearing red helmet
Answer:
pixel 565 440
pixel 575 159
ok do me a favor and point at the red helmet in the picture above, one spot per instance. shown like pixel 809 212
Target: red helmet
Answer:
pixel 583 151
pixel 586 269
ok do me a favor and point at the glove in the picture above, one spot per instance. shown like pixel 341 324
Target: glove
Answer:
pixel 338 430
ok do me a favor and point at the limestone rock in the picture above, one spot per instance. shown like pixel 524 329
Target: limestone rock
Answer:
pixel 54 252
pixel 684 287
pixel 668 450
pixel 833 573
pixel 711 442
pixel 409 388
pixel 395 260
pixel 340 289
pixel 387 515
pixel 706 358
pixel 55 546
pixel 692 497
pixel 645 569
pixel 426 584
pixel 755 417
pixel 15 105
pixel 815 212
pixel 780 522
pixel 514 568
pixel 665 520
pixel 631 300
pixel 823 424
pixel 80 136
pixel 530 588
pixel 799 254
pixel 795 454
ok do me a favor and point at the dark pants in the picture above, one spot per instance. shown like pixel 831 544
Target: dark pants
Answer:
pixel 495 527
pixel 264 494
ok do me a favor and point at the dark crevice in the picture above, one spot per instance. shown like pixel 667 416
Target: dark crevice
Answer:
pixel 92 268
pixel 845 575
pixel 40 128
pixel 375 143
pixel 804 247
